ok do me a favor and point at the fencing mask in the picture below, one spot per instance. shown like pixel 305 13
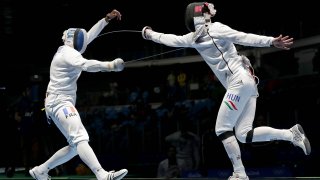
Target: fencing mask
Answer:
pixel 202 11
pixel 76 38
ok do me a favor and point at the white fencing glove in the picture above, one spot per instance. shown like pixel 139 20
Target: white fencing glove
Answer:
pixel 118 64
pixel 145 32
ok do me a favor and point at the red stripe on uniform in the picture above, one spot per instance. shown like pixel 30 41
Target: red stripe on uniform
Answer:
pixel 233 105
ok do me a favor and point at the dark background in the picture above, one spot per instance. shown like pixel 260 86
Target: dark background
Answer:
pixel 31 31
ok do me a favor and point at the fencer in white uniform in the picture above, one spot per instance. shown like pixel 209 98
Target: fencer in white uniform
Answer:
pixel 66 67
pixel 215 42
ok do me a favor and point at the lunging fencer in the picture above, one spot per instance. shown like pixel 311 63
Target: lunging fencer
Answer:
pixel 66 67
pixel 215 42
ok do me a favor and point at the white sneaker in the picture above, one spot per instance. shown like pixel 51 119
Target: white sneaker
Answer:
pixel 38 175
pixel 116 175
pixel 300 139
pixel 236 176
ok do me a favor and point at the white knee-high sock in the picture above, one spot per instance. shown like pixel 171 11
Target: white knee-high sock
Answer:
pixel 265 133
pixel 233 150
pixel 90 159
pixel 61 156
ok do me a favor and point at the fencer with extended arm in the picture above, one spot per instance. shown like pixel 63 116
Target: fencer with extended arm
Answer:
pixel 281 42
pixel 215 42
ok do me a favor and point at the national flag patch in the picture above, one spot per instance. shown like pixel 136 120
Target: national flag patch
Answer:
pixel 69 111
pixel 231 105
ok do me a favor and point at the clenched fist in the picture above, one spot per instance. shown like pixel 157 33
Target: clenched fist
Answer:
pixel 114 13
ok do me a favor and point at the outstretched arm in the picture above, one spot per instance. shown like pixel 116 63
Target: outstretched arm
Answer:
pixel 171 40
pixel 282 42
pixel 91 65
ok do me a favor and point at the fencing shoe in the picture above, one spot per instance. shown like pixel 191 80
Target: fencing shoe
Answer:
pixel 300 139
pixel 236 176
pixel 116 175
pixel 36 174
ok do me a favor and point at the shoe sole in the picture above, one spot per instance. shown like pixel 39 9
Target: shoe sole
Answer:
pixel 305 141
